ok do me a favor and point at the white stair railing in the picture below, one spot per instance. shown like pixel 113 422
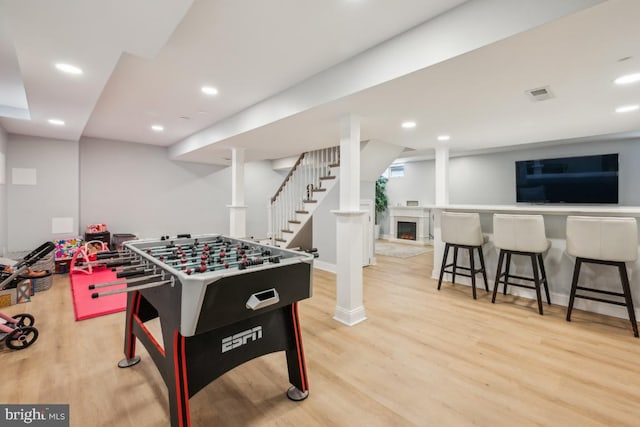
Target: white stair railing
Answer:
pixel 297 190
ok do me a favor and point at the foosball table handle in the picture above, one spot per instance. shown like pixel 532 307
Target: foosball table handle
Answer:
pixel 263 299
pixel 132 288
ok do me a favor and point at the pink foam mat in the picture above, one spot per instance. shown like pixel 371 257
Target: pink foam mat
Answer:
pixel 84 306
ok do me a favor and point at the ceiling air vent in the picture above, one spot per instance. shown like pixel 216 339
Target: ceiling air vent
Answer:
pixel 540 93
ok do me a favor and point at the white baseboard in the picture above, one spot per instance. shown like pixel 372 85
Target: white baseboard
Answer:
pixel 324 266
pixel 350 317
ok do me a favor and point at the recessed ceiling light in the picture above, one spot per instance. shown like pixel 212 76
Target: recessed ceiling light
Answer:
pixel 444 137
pixel 68 68
pixel 408 125
pixel 627 108
pixel 626 79
pixel 56 122
pixel 209 90
pixel 157 128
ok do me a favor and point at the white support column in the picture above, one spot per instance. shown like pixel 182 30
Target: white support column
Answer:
pixel 349 233
pixel 442 176
pixel 237 208
pixel 438 246
pixel 442 199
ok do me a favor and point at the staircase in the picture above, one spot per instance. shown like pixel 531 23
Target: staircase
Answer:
pixel 310 179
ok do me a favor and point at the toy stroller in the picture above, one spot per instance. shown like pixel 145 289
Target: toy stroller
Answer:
pixel 18 331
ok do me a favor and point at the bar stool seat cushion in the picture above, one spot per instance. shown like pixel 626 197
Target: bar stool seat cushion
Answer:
pixel 602 238
pixel 522 233
pixel 460 228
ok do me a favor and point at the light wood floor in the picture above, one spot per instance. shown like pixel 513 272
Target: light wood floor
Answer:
pixel 423 357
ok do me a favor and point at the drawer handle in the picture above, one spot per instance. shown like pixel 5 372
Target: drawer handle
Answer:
pixel 263 299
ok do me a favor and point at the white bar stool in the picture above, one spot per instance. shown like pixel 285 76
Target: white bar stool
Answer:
pixel 462 230
pixel 607 241
pixel 521 235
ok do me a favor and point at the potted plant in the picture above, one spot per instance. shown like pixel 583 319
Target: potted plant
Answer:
pixel 381 201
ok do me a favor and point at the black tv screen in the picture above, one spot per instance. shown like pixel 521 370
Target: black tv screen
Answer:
pixel 586 179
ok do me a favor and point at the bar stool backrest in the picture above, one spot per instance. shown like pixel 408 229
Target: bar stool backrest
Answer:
pixel 524 233
pixel 602 238
pixel 460 228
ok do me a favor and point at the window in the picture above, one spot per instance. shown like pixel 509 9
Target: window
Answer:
pixel 396 171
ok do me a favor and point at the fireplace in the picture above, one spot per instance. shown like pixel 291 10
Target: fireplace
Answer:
pixel 406 230
pixel 416 217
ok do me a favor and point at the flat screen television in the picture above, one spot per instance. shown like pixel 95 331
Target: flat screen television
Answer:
pixel 586 179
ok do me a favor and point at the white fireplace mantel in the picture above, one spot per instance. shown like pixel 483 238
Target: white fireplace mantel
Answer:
pixel 420 215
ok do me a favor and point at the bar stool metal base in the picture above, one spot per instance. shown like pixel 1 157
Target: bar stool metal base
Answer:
pixel 538 279
pixel 626 290
pixel 472 270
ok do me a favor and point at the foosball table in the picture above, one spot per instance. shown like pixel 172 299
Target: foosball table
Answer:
pixel 221 302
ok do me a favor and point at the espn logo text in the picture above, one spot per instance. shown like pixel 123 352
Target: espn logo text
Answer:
pixel 241 338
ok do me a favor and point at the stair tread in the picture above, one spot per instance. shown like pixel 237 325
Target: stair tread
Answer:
pixel 292 221
pixel 286 231
pixel 319 189
pixel 302 212
pixel 279 240
pixel 327 177
pixel 310 201
pixel 334 165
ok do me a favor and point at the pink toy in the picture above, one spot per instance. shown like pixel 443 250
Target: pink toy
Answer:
pixel 86 257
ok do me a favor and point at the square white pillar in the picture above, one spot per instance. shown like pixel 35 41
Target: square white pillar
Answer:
pixel 349 233
pixel 442 200
pixel 237 209
pixel 349 307
pixel 442 176
pixel 349 163
pixel 438 245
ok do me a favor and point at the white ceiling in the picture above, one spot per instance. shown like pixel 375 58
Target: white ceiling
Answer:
pixel 145 65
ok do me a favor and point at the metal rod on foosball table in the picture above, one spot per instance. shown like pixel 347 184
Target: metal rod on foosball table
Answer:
pixel 134 273
pixel 129 267
pixel 107 261
pixel 190 254
pixel 183 245
pixel 198 262
pixel 124 282
pixel 109 254
pixel 247 263
pixel 171 250
pixel 132 288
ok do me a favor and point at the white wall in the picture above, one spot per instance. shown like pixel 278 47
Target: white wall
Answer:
pixel 324 226
pixel 490 178
pixel 30 208
pixel 135 188
pixel 418 183
pixel 3 191
pixel 324 222
pixel 261 183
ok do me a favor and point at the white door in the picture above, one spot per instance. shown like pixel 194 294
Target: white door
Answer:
pixel 367 232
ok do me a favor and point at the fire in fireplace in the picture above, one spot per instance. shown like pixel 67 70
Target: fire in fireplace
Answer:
pixel 406 230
